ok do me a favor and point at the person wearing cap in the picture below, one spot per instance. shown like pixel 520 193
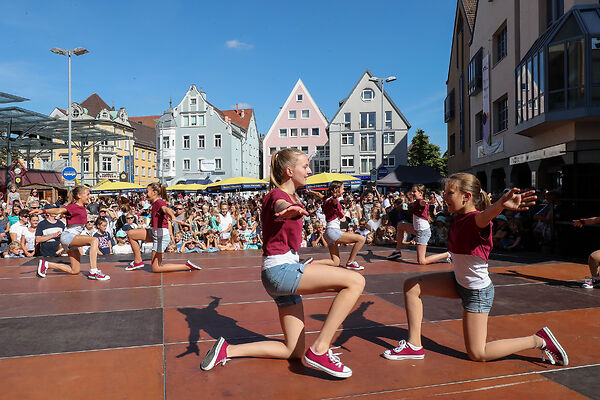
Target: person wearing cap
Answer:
pixel 47 234
pixel 501 230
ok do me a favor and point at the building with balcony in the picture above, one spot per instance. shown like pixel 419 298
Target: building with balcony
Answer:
pixel 299 124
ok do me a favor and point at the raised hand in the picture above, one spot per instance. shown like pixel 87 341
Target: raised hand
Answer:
pixel 291 212
pixel 514 200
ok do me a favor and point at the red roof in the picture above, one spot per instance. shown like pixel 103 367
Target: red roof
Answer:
pixel 147 120
pixel 236 116
pixel 94 104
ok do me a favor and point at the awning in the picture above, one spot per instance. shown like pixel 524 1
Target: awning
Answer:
pixel 192 187
pixel 237 183
pixel 408 175
pixel 322 181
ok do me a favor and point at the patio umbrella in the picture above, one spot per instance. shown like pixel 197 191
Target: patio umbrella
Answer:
pixel 117 187
pixel 237 183
pixel 191 187
pixel 322 181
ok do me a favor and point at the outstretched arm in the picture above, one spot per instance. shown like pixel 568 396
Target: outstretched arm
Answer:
pixel 512 200
pixel 284 210
pixel 578 223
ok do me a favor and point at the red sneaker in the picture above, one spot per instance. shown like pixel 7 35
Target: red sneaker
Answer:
pixel 328 362
pixel 354 266
pixel 404 351
pixel 42 268
pixel 133 266
pixel 552 349
pixel 217 354
pixel 98 276
pixel 191 265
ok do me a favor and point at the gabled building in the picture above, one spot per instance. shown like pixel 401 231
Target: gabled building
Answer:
pixel 300 124
pixel 199 141
pixel 144 153
pixel 361 139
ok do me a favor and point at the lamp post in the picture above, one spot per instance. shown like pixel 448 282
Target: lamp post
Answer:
pixel 381 82
pixel 69 52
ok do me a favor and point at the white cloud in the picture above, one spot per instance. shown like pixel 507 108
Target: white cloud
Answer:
pixel 236 44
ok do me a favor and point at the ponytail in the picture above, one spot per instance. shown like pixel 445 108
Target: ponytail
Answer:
pixel 483 201
pixel 160 189
pixel 333 186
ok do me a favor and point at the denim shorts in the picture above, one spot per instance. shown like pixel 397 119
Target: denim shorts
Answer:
pixel 476 300
pixel 160 239
pixel 281 283
pixel 332 235
pixel 422 236
pixel 66 238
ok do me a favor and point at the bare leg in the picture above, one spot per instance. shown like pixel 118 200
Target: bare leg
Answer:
pixel 292 324
pixel 78 241
pixel 134 235
pixel 401 228
pixel 158 267
pixel 440 284
pixel 358 240
pixel 73 268
pixel 594 263
pixel 422 259
pixel 475 331
pixel 334 252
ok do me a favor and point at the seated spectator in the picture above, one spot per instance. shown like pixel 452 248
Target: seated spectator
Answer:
pixel 381 237
pixel 234 243
pixel 178 240
pixel 48 234
pixel 211 241
pixel 14 251
pixel 363 228
pixel 512 241
pixel 375 220
pixel 28 236
pixel 192 246
pixel 105 240
pixel 130 223
pixel 317 239
pixel 369 238
pixel 16 229
pixel 501 230
pixel 88 230
pixel 122 246
pixel 439 232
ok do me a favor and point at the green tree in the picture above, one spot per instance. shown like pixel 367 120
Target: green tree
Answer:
pixel 423 152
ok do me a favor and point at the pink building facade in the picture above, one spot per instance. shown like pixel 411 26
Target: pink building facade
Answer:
pixel 299 124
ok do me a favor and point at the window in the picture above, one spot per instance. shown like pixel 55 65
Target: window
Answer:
pixel 367 141
pixel 200 164
pixel 367 120
pixel 201 141
pixel 388 120
pixel 293 132
pixel 194 121
pixel 137 171
pixel 565 88
pixel 479 126
pixel 192 102
pixel 201 120
pixel 299 97
pixel 137 154
pixel 367 164
pixel 347 161
pixel 305 114
pixel 283 132
pixel 501 114
pixel 389 137
pixel 186 142
pixel 165 143
pixel 305 149
pixel 292 114
pixel 186 164
pixel 347 121
pixel 500 44
pixel 126 145
pixel 389 161
pixel 323 151
pixel 475 73
pixel 316 131
pixel 218 140
pixel 452 145
pixel 303 131
pixel 367 95
pixel 144 156
pixel 143 171
pixel 86 164
pixel 272 150
pixel 218 164
pixel 166 164
pixel 348 139
pixel 449 107
pixel 186 120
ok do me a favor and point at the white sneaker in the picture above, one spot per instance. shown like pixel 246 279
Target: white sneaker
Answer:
pixel 354 266
pixel 588 283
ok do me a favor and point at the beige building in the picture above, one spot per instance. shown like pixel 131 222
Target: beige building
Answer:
pixel 144 149
pixel 531 95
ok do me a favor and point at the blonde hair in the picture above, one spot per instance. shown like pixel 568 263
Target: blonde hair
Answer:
pixel 467 183
pixel 76 192
pixel 280 160
pixel 160 189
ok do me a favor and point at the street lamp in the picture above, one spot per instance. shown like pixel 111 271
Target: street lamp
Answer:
pixel 381 82
pixel 69 52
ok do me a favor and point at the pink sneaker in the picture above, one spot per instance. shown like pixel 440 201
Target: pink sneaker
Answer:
pixel 552 349
pixel 42 268
pixel 328 362
pixel 404 351
pixel 354 266
pixel 98 276
pixel 217 354
pixel 133 266
pixel 191 265
pixel 588 283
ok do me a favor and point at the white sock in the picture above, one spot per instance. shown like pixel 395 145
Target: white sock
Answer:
pixel 93 270
pixel 543 343
pixel 414 347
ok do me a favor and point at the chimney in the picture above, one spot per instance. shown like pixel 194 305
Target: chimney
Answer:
pixel 237 110
pixel 242 114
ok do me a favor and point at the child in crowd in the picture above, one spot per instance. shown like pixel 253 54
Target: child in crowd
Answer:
pixel 122 246
pixel 105 240
pixel 363 228
pixel 28 236
pixel 14 250
pixel 439 232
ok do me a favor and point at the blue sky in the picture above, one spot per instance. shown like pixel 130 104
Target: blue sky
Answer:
pixel 251 53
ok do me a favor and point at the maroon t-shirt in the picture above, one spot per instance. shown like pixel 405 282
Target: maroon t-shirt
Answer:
pixel 332 210
pixel 158 218
pixel 76 214
pixel 279 235
pixel 465 237
pixel 421 211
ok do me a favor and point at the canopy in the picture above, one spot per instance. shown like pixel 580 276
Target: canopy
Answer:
pixel 405 174
pixel 192 187
pixel 117 187
pixel 237 183
pixel 322 181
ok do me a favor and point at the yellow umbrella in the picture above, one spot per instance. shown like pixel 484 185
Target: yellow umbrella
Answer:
pixel 322 181
pixel 237 183
pixel 188 187
pixel 117 187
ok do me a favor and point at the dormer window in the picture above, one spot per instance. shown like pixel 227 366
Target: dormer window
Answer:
pixel 299 97
pixel 192 102
pixel 367 95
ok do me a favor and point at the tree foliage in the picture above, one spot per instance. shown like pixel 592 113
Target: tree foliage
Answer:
pixel 423 152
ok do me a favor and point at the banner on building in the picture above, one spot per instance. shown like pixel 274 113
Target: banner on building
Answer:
pixel 488 147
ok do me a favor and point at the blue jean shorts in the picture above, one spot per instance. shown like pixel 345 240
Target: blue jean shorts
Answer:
pixel 476 300
pixel 66 238
pixel 422 236
pixel 281 283
pixel 332 235
pixel 160 239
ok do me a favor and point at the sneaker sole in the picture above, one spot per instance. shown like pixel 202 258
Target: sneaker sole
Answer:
pixel 193 267
pixel 392 357
pixel 99 279
pixel 130 268
pixel 587 286
pixel 325 369
pixel 39 272
pixel 211 357
pixel 563 354
pixel 353 268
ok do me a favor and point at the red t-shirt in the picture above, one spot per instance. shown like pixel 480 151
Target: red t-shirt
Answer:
pixel 332 210
pixel 465 237
pixel 158 218
pixel 76 214
pixel 418 210
pixel 279 235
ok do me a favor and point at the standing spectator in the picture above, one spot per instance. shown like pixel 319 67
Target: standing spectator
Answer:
pixel 13 195
pixel 226 221
pixel 4 226
pixel 48 234
pixel 33 197
pixel 105 240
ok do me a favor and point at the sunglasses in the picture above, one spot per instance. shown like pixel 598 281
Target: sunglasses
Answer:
pixel 129 218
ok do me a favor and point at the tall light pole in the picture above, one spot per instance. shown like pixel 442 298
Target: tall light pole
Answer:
pixel 69 52
pixel 381 82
